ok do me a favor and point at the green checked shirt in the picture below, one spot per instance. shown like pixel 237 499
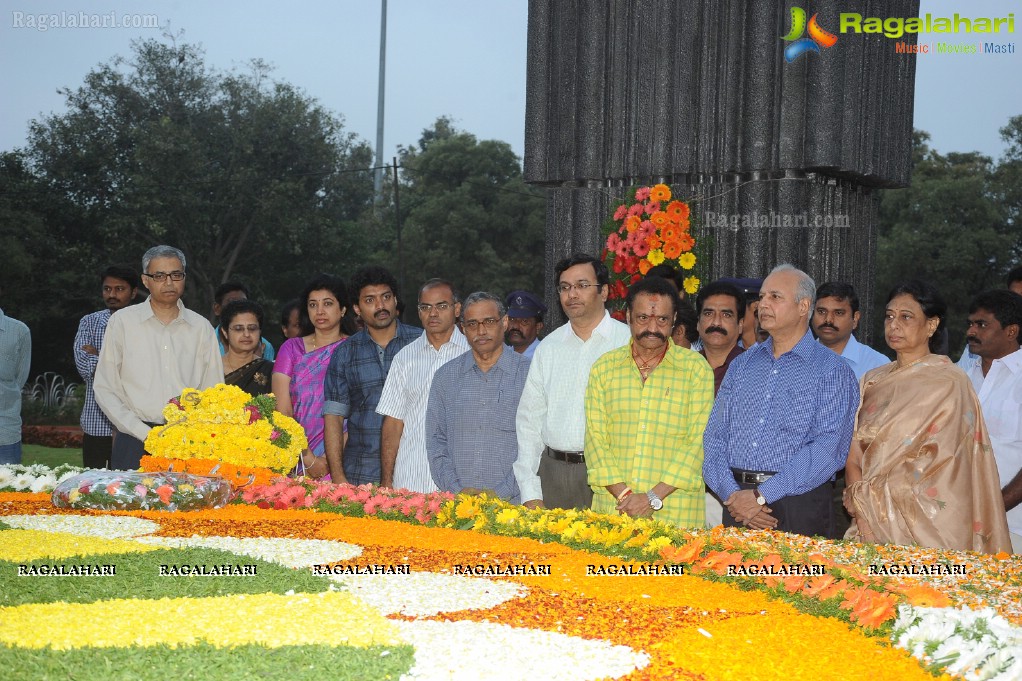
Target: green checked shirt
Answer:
pixel 644 433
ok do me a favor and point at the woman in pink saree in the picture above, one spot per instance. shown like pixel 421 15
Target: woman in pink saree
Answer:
pixel 302 363
pixel 921 470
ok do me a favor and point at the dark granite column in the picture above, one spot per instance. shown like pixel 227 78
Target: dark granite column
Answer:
pixel 697 94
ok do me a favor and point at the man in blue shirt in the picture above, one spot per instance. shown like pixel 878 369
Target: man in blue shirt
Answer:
pixel 835 317
pixel 354 380
pixel 471 442
pixel 119 287
pixel 782 422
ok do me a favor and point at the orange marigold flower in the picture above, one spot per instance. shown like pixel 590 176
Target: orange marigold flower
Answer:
pixel 645 266
pixel 926 597
pixel 672 249
pixel 678 210
pixel 670 232
pixel 878 610
pixel 659 219
pixel 818 584
pixel 793 583
pixel 660 192
pixel 718 561
pixel 684 554
pixel 654 242
pixel 686 241
pixel 632 222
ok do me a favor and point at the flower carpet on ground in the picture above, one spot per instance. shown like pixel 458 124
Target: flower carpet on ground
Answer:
pixel 443 587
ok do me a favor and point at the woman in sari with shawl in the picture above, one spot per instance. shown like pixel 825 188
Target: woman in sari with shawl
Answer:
pixel 302 363
pixel 921 469
pixel 241 325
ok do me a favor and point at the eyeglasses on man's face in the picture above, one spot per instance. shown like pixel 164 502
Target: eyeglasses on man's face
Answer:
pixel 176 275
pixel 565 287
pixel 473 324
pixel 426 308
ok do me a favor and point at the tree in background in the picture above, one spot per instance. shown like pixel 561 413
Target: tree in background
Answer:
pixel 952 226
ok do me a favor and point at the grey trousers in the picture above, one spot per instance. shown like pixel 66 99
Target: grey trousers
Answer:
pixel 565 485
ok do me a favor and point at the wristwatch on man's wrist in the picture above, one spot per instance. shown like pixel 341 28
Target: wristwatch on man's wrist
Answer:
pixel 760 499
pixel 655 502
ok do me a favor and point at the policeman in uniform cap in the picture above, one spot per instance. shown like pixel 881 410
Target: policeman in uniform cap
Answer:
pixel 524 321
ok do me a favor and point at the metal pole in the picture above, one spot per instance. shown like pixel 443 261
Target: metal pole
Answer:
pixel 378 173
pixel 400 246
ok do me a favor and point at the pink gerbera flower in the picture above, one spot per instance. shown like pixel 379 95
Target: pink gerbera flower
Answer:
pixel 636 209
pixel 621 212
pixel 642 193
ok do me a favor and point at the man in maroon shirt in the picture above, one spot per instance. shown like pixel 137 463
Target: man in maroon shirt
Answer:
pixel 719 307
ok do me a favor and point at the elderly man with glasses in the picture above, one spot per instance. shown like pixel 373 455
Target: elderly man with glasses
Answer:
pixel 151 352
pixel 470 418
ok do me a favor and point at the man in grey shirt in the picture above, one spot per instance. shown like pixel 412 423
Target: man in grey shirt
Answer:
pixel 470 418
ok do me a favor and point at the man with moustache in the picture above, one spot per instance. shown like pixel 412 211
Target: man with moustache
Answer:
pixel 406 391
pixel 151 352
pixel 718 307
pixel 470 417
pixel 119 285
pixel 995 329
pixel 355 378
pixel 782 422
pixel 551 422
pixel 524 322
pixel 646 408
pixel 835 318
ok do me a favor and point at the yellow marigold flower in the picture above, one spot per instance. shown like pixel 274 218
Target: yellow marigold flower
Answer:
pixel 508 516
pixel 655 257
pixel 466 508
pixel 654 545
pixel 687 261
pixel 691 284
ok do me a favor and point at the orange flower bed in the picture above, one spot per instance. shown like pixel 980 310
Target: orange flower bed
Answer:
pixel 239 476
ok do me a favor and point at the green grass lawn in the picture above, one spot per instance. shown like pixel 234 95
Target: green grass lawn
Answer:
pixel 50 456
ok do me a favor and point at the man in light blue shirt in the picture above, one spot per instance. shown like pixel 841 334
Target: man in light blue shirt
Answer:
pixel 835 318
pixel 782 422
pixel 15 358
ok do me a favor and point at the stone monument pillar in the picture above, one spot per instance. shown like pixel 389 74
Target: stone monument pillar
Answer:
pixel 698 95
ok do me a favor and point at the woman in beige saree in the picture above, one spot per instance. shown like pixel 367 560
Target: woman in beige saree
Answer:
pixel 920 469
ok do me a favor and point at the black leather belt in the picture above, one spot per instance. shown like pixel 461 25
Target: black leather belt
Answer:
pixel 744 477
pixel 568 457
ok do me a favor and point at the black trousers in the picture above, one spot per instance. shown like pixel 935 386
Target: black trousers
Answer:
pixel 96 450
pixel 810 514
pixel 127 452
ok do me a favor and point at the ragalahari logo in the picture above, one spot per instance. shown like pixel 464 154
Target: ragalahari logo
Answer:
pixel 818 37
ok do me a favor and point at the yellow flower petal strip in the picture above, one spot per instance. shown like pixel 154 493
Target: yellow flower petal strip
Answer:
pixel 272 620
pixel 19 546
pixel 793 646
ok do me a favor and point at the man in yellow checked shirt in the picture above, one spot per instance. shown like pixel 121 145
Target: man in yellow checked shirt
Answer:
pixel 647 404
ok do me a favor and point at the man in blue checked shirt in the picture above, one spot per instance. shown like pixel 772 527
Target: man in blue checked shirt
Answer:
pixel 119 287
pixel 782 422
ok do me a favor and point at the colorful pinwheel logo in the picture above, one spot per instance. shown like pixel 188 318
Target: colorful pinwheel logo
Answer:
pixel 818 37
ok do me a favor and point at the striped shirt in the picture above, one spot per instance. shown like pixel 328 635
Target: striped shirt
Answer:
pixel 405 396
pixel 643 433
pixel 470 424
pixel 792 415
pixel 552 411
pixel 15 359
pixel 352 388
pixel 90 332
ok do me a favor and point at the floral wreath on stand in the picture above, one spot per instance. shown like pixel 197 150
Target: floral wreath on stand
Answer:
pixel 652 230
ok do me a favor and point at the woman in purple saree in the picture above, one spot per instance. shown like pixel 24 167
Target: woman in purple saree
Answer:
pixel 301 365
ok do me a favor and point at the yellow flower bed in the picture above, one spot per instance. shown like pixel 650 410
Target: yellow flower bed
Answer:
pixel 20 546
pixel 272 620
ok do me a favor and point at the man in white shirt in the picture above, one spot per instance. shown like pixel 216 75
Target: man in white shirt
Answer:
pixel 550 469
pixel 835 317
pixel 404 464
pixel 151 352
pixel 995 326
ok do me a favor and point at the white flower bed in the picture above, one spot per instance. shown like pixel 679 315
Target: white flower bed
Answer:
pixel 428 593
pixel 970 644
pixel 104 526
pixel 15 477
pixel 292 553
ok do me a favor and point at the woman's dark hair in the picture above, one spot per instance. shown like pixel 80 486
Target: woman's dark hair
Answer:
pixel 687 317
pixel 235 308
pixel 930 300
pixel 321 282
pixel 285 317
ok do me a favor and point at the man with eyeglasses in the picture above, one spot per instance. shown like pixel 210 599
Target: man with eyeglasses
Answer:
pixel 470 416
pixel 646 406
pixel 355 378
pixel 406 391
pixel 151 352
pixel 551 422
pixel 119 286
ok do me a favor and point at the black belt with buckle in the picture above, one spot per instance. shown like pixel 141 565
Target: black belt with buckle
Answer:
pixel 744 477
pixel 567 457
